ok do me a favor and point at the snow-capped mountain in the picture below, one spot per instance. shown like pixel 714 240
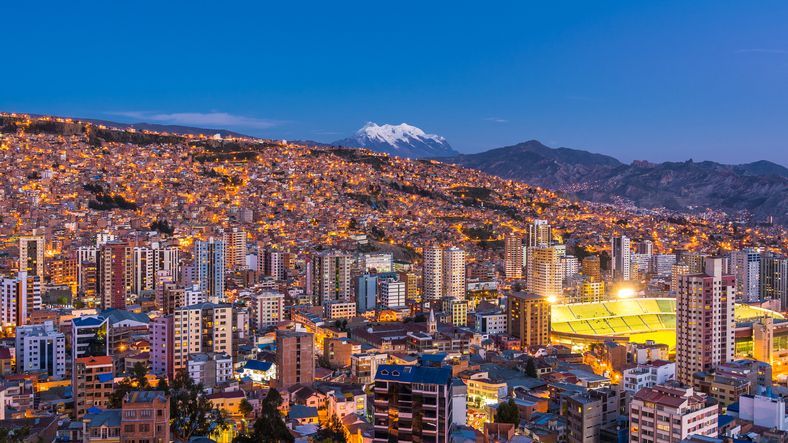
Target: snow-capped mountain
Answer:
pixel 402 140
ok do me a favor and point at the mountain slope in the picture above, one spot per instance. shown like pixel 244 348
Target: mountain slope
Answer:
pixel 760 188
pixel 402 140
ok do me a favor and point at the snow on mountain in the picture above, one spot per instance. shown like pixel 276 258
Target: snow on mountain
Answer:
pixel 402 140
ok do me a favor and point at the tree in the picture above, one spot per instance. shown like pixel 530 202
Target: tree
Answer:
pixel 191 411
pixel 138 376
pixel 508 413
pixel 163 385
pixel 136 381
pixel 530 368
pixel 269 427
pixel 332 432
pixel 245 407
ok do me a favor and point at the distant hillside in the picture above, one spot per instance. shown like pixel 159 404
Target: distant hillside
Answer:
pixel 172 129
pixel 760 188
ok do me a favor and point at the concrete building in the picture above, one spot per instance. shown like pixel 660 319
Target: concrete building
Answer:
pixel 392 294
pixel 41 349
pixel 528 319
pixel 145 417
pixel 210 265
pixel 378 263
pixel 492 323
pixel 234 241
pixel 648 375
pixel 513 257
pixel 588 413
pixel 92 383
pixel 89 336
pixel 331 277
pixel 203 328
pixel 454 273
pixel 621 258
pixel 267 309
pixel 397 418
pixel 295 358
pixel 210 368
pixel 539 234
pixel 433 273
pixel 765 411
pixel 670 413
pixel 774 278
pixel 19 296
pixel 366 293
pixel 161 350
pixel 339 309
pixel 31 255
pixel 745 266
pixel 114 274
pixel 704 321
pixel 544 271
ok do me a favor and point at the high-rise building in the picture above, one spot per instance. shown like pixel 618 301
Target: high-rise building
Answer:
pixel 676 272
pixel 206 327
pixel 412 403
pixel 235 248
pixel 92 383
pixel 267 309
pixel 669 413
pixel 528 318
pixel 539 234
pixel 143 270
pixel 41 349
pixel 569 266
pixel 162 354
pixel 544 271
pixel 295 358
pixel 621 258
pixel 454 273
pixel 746 268
pixel 273 264
pixel 113 263
pixel 392 294
pixel 774 278
pixel 209 263
pixel 704 320
pixel 591 291
pixel 18 297
pixel 366 292
pixel 31 255
pixel 331 280
pixel 591 268
pixel 513 257
pixel 645 247
pixel 433 273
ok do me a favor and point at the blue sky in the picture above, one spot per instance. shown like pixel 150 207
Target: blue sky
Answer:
pixel 636 80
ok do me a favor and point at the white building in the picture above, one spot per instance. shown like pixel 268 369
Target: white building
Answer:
pixel 768 412
pixel 669 413
pixel 379 263
pixel 648 375
pixel 19 296
pixel 454 273
pixel 210 368
pixel 41 348
pixel 491 322
pixel 392 294
pixel 621 258
pixel 267 309
pixel 746 267
pixel 433 273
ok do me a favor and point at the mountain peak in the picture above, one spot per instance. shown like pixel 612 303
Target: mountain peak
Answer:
pixel 402 140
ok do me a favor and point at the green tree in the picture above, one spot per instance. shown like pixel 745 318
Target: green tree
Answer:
pixel 508 413
pixel 191 411
pixel 138 376
pixel 269 427
pixel 14 435
pixel 163 385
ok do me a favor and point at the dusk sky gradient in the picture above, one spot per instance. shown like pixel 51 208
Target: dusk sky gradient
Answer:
pixel 658 81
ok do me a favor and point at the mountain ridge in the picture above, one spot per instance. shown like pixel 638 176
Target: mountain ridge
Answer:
pixel 759 187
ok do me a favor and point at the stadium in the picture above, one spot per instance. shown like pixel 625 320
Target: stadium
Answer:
pixel 633 320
